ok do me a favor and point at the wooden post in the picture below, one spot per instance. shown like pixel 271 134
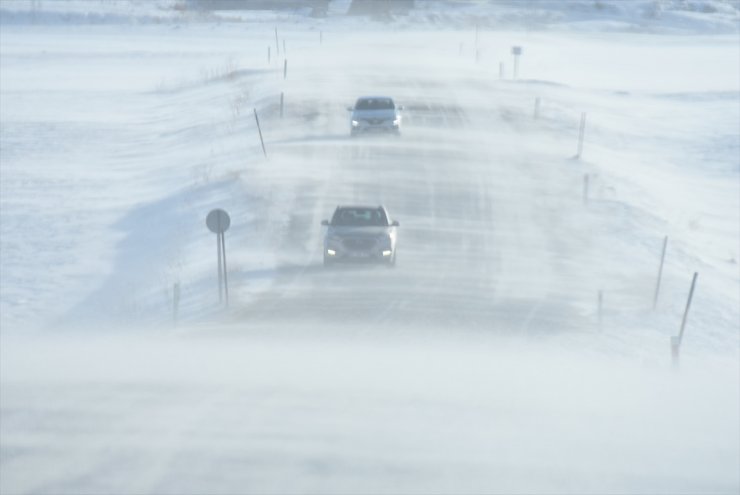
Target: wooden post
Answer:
pixel 581 134
pixel 660 272
pixel 536 108
pixel 281 104
pixel 257 119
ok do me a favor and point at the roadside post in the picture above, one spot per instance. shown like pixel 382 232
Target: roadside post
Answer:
pixel 516 51
pixel 175 301
pixel 218 222
pixel 660 272
pixel 259 130
pixel 676 341
pixel 581 133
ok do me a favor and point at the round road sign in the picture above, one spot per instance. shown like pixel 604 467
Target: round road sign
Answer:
pixel 218 221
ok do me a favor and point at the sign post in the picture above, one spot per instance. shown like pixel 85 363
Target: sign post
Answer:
pixel 218 222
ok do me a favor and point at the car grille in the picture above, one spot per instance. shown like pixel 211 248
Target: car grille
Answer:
pixel 374 121
pixel 359 243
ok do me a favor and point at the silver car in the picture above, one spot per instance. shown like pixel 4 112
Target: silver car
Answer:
pixel 360 233
pixel 375 114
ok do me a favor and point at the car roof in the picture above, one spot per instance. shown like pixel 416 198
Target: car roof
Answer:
pixel 364 207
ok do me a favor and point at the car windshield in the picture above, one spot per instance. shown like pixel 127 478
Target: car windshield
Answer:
pixel 359 217
pixel 374 104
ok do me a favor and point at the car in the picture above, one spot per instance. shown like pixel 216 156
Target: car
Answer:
pixel 375 114
pixel 360 234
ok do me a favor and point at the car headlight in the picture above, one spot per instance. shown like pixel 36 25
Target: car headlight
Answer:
pixel 397 121
pixel 355 123
pixel 331 252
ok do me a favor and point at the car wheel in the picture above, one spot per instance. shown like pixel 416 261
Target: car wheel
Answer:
pixel 391 263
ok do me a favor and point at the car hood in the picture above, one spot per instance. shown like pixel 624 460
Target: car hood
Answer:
pixel 374 114
pixel 358 231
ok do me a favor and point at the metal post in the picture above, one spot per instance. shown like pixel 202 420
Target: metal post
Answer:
pixel 581 134
pixel 660 272
pixel 285 69
pixel 536 108
pixel 257 119
pixel 220 276
pixel 282 98
pixel 226 280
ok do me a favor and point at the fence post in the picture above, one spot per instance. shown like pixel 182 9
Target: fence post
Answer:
pixel 660 272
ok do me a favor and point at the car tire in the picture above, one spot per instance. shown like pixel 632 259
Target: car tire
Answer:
pixel 391 263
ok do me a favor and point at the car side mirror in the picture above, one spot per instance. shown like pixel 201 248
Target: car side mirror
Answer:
pixel 395 223
pixel 325 222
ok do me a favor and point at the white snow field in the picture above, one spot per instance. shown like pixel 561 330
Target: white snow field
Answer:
pixel 481 363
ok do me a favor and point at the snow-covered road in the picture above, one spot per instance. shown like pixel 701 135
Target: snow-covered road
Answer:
pixel 479 364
